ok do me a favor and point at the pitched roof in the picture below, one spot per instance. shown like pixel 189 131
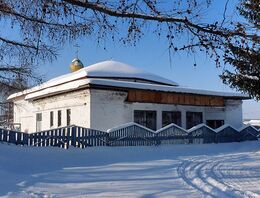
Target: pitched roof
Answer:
pixel 112 74
pixel 114 69
pixel 109 69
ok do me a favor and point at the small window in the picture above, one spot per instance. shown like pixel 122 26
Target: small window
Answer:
pixel 146 118
pixel 193 119
pixel 169 117
pixel 51 119
pixel 214 124
pixel 68 116
pixel 39 116
pixel 38 122
pixel 59 118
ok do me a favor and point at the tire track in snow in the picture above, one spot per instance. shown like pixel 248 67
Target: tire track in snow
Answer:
pixel 205 176
pixel 190 172
pixel 182 172
pixel 216 171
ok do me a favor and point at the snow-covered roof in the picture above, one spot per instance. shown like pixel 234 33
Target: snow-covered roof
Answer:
pixel 112 74
pixel 164 88
pixel 73 85
pixel 252 122
pixel 114 69
pixel 105 69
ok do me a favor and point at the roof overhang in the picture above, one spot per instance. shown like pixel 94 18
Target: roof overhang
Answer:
pixel 33 94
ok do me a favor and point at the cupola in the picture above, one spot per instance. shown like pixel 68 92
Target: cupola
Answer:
pixel 76 65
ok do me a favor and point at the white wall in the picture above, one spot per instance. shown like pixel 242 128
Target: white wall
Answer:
pixel 78 102
pixel 233 114
pixel 109 109
pixel 104 109
pixel 23 114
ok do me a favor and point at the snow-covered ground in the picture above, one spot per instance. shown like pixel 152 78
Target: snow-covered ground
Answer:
pixel 208 170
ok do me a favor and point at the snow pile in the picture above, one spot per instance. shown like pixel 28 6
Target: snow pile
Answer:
pixel 207 170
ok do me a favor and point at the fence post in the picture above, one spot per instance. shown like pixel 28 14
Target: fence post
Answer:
pixel 156 139
pixel 73 136
pixel 67 138
pixel 190 138
pixel 107 139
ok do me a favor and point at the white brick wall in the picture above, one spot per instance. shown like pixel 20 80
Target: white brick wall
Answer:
pixel 78 102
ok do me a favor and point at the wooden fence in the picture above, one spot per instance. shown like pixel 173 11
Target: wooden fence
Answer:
pixel 130 134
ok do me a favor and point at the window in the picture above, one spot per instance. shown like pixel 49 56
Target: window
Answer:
pixel 214 124
pixel 38 122
pixel 193 119
pixel 51 119
pixel 146 118
pixel 68 116
pixel 59 118
pixel 169 117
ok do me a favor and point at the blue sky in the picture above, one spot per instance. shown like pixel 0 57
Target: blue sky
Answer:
pixel 151 54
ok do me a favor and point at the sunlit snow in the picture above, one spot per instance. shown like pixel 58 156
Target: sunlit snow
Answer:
pixel 208 170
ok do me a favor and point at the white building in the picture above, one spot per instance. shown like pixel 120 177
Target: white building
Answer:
pixel 109 93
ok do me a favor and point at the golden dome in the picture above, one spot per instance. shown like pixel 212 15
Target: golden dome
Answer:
pixel 76 65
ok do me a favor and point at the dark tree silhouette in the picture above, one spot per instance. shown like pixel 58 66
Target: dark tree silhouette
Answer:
pixel 245 56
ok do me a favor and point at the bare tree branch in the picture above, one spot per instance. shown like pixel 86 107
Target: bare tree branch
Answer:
pixel 18 43
pixel 158 18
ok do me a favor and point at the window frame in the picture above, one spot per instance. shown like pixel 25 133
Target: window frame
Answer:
pixel 59 118
pixel 68 116
pixel 222 122
pixel 177 115
pixel 194 123
pixel 38 122
pixel 51 118
pixel 145 120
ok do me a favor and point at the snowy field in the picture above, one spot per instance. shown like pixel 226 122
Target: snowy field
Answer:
pixel 209 170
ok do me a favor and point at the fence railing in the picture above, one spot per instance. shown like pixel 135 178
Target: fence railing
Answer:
pixel 130 134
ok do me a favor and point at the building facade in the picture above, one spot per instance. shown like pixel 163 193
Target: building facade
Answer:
pixel 108 94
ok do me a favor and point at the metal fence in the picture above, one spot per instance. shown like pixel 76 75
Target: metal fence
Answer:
pixel 130 134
